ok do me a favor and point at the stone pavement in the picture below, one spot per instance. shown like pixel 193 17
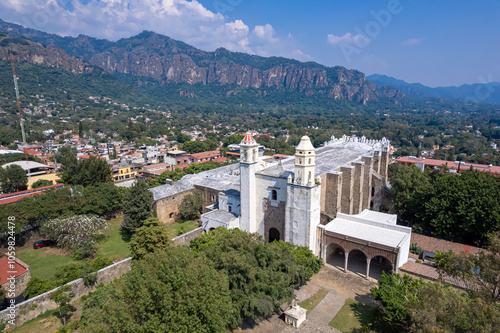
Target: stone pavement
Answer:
pixel 340 286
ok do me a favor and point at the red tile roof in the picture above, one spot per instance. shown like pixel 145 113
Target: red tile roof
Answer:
pixel 8 269
pixel 206 154
pixel 431 244
pixel 452 165
pixel 430 272
pixel 9 198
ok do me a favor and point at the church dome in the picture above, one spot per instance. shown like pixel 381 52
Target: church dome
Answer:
pixel 305 144
pixel 248 139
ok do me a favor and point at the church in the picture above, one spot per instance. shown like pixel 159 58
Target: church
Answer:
pixel 327 199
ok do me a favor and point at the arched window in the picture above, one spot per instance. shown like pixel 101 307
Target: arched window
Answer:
pixel 274 195
pixel 310 161
pixel 309 174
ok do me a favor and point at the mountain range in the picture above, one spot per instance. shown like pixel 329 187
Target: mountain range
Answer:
pixel 487 92
pixel 156 59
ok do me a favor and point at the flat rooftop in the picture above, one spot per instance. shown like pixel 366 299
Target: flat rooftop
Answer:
pixel 328 158
pixel 361 227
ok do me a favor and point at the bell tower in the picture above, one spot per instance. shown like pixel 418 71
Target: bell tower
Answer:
pixel 305 162
pixel 249 158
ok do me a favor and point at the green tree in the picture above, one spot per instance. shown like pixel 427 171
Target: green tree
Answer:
pixel 261 276
pixel 101 199
pixel 13 179
pixel 62 298
pixel 461 208
pixel 37 286
pixel 137 205
pixel 440 308
pixel 405 181
pixel 397 293
pixel 192 205
pixel 192 147
pixel 480 273
pixel 42 183
pixel 172 291
pixel 69 164
pixel 152 236
pixel 233 139
pixel 91 172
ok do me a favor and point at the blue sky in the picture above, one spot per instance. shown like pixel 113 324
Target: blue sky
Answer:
pixel 437 43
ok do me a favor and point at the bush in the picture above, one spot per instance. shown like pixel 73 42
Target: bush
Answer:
pixel 74 231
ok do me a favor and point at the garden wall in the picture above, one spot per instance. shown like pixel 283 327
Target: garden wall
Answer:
pixel 186 238
pixel 35 306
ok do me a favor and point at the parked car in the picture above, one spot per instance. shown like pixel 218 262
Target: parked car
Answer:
pixel 42 243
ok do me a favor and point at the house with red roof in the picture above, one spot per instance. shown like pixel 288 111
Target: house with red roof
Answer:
pixel 204 156
pixel 14 276
pixel 456 166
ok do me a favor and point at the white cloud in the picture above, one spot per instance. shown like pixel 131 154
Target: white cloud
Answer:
pixel 413 41
pixel 346 38
pixel 186 20
pixel 265 33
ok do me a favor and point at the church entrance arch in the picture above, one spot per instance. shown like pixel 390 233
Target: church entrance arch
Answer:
pixel 379 264
pixel 274 234
pixel 357 262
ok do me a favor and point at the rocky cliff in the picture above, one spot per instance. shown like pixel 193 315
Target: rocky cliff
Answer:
pixel 150 55
pixel 34 52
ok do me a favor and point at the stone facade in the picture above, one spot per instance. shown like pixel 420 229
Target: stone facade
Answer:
pixel 167 209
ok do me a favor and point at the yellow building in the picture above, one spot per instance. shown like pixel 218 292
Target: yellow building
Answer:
pixel 121 173
pixel 36 171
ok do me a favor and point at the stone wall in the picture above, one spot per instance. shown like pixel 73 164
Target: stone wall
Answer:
pixel 210 195
pixel 186 238
pixel 167 209
pixel 35 306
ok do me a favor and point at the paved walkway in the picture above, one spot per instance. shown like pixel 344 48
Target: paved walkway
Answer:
pixel 340 286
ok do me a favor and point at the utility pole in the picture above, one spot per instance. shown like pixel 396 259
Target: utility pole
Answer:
pixel 21 120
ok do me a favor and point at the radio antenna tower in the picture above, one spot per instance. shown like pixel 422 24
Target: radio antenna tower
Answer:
pixel 21 120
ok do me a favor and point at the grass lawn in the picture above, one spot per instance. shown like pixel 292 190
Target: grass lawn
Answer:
pixel 354 315
pixel 46 322
pixel 115 245
pixel 310 303
pixel 173 229
pixel 43 262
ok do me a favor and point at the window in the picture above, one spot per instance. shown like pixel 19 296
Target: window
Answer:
pixel 212 197
pixel 310 161
pixel 171 215
pixel 309 174
pixel 274 195
pixel 373 191
pixel 229 208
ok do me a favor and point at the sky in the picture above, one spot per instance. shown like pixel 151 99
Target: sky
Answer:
pixel 433 42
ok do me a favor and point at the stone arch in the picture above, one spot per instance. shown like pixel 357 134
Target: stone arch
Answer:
pixel 380 263
pixel 357 261
pixel 274 234
pixel 335 255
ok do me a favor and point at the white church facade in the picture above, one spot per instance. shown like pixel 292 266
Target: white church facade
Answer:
pixel 305 199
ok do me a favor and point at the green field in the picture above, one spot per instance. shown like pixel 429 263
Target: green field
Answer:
pixel 115 245
pixel 354 315
pixel 43 262
pixel 173 229
pixel 310 303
